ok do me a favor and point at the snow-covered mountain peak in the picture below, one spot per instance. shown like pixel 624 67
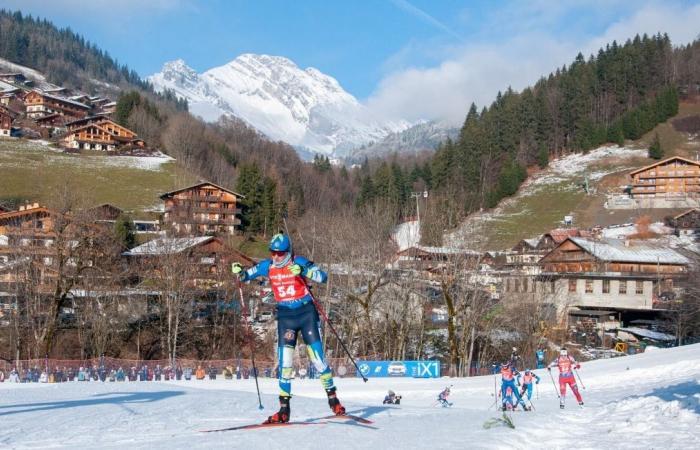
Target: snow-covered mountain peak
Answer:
pixel 303 107
pixel 179 72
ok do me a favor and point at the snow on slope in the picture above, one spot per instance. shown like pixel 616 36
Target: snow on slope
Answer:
pixel 565 174
pixel 301 107
pixel 650 400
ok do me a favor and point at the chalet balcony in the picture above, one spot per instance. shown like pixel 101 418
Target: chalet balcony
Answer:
pixel 199 209
pixel 194 221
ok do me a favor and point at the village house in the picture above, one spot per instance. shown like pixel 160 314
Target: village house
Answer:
pixel 6 119
pixel 631 277
pixel 437 259
pixel 27 235
pixel 672 177
pixel 100 135
pixel 204 208
pixel 207 258
pixel 40 104
pixel 687 223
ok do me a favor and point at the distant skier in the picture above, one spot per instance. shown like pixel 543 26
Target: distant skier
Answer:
pixel 508 374
pixel 540 356
pixel 442 398
pixel 566 364
pixel 527 378
pixel 514 358
pixel 391 398
pixel 296 314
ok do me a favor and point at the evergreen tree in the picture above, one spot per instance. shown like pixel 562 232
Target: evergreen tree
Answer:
pixel 655 149
pixel 125 231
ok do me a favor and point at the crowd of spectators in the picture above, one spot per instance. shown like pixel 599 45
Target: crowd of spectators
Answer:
pixel 144 373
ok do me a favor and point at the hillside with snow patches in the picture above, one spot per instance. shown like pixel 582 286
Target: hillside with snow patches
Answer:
pixel 545 198
pixel 650 400
pixel 303 107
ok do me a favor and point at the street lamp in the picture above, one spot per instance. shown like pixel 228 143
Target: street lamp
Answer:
pixel 418 195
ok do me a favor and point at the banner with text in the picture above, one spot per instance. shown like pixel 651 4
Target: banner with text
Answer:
pixel 414 369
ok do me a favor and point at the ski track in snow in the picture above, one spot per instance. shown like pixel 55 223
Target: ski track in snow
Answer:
pixel 650 400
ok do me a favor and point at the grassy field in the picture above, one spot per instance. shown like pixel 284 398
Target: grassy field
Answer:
pixel 31 171
pixel 534 211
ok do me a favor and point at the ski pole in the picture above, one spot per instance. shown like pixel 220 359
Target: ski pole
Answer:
pixel 553 383
pixel 579 379
pixel 251 344
pixel 323 314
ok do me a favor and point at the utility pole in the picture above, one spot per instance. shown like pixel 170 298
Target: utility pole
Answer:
pixel 418 195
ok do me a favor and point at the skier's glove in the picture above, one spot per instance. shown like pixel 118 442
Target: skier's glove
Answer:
pixel 549 369
pixel 537 382
pixel 295 269
pixel 237 269
pixel 578 366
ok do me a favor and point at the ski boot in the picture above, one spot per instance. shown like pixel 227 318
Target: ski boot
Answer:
pixel 504 407
pixel 561 406
pixel 281 416
pixel 580 404
pixel 334 403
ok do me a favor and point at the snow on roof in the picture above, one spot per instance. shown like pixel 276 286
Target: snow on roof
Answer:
pixel 63 99
pixel 167 246
pixel 649 334
pixel 616 250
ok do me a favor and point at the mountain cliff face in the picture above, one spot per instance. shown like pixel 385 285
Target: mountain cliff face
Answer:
pixel 302 107
pixel 424 136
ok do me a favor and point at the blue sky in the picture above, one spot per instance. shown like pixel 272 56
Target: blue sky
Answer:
pixel 410 59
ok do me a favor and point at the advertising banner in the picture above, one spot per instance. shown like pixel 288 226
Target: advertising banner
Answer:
pixel 410 369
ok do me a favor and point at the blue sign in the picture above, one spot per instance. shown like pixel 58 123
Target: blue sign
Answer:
pixel 414 369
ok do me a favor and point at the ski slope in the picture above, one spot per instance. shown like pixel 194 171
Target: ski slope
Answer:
pixel 650 400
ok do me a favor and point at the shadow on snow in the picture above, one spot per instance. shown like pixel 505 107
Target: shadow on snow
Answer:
pixel 118 399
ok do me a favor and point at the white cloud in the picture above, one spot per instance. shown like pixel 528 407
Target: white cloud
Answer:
pixel 475 72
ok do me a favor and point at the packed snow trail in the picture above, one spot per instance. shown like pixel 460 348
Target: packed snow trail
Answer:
pixel 643 401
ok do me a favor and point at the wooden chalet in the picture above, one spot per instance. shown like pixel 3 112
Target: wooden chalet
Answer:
pixel 103 135
pixel 104 212
pixel 39 104
pixel 579 255
pixel 6 119
pixel 204 208
pixel 205 259
pixel 552 239
pixel 687 222
pixel 672 177
pixel 53 120
pixel 87 120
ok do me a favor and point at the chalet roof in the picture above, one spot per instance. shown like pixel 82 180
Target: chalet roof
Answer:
pixel 168 246
pixel 62 99
pixel 686 213
pixel 106 131
pixel 637 251
pixel 47 117
pixel 24 212
pixel 88 119
pixel 171 193
pixel 559 235
pixel 665 161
